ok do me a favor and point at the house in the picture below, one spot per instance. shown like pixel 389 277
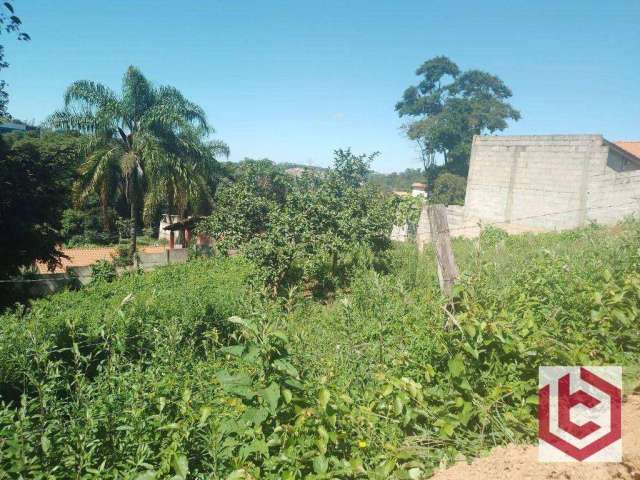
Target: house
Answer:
pixel 15 126
pixel 186 229
pixel 418 189
pixel 12 127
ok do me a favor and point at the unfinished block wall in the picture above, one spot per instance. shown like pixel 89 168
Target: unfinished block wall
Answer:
pixel 553 181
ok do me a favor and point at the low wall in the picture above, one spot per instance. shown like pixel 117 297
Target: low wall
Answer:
pixel 74 277
pixel 149 261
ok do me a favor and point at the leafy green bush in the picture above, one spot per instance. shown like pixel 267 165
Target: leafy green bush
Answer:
pixel 448 189
pixel 303 229
pixel 123 257
pixel 491 236
pixel 83 227
pixel 187 372
pixel 103 271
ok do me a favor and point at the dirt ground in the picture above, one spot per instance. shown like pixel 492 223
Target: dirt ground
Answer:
pixel 521 462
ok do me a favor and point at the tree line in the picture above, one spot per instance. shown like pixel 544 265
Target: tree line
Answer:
pixel 111 162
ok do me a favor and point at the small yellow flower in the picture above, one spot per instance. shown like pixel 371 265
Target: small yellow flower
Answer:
pixel 362 444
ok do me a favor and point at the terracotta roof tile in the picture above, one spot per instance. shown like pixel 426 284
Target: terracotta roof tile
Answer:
pixel 82 257
pixel 633 147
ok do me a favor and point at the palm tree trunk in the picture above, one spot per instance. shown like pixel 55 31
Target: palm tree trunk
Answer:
pixel 106 220
pixel 104 208
pixel 134 216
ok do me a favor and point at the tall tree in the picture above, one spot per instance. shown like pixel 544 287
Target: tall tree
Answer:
pixel 142 140
pixel 36 174
pixel 450 107
pixel 9 23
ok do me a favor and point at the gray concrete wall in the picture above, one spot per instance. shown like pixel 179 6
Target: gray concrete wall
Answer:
pixel 455 219
pixel 551 182
pixel 613 188
pixel 149 261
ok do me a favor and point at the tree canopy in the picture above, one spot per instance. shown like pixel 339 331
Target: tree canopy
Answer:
pixel 149 144
pixel 36 174
pixel 309 228
pixel 449 107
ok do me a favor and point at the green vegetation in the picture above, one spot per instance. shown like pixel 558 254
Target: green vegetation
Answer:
pixel 147 145
pixel 400 181
pixel 36 177
pixel 310 230
pixel 448 189
pixel 103 271
pixel 448 115
pixel 188 372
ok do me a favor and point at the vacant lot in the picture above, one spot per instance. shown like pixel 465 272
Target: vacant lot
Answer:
pixel 191 372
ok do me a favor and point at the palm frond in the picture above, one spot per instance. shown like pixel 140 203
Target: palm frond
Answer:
pixel 172 99
pixel 138 96
pixel 88 93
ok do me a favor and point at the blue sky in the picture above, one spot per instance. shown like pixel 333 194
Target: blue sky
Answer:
pixel 292 80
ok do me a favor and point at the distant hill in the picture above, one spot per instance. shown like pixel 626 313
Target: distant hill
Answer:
pixel 398 180
pixel 387 181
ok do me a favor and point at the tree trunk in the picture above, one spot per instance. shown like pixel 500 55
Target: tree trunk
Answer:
pixel 106 220
pixel 104 209
pixel 134 217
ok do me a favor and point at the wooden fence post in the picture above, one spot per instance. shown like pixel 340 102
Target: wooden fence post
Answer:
pixel 447 268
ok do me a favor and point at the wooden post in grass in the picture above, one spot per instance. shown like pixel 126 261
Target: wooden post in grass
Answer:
pixel 447 268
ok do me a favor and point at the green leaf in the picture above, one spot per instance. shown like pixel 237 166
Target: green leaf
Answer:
pixel 456 366
pixel 255 416
pixel 245 323
pixel 180 466
pixel 323 399
pixel 45 444
pixel 320 465
pixel 271 395
pixel 148 475
pixel 236 384
pixel 415 473
pixel 204 414
pixel 532 400
pixel 286 367
pixel 235 350
pixel 240 474
pixel 287 395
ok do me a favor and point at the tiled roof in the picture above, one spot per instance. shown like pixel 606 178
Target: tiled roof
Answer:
pixel 82 257
pixel 633 147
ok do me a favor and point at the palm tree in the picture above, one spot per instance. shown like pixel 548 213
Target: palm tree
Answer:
pixel 182 185
pixel 143 139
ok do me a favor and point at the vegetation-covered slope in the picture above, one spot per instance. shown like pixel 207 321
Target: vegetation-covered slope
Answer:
pixel 187 372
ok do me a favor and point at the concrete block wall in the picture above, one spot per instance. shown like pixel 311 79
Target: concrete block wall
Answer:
pixel 614 188
pixel 549 182
pixel 150 261
pixel 458 225
pixel 399 233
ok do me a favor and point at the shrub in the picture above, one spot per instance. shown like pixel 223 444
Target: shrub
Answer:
pixel 448 189
pixel 186 372
pixel 305 229
pixel 491 236
pixel 83 227
pixel 103 271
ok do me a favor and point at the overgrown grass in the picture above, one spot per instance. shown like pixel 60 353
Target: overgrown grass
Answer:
pixel 188 372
